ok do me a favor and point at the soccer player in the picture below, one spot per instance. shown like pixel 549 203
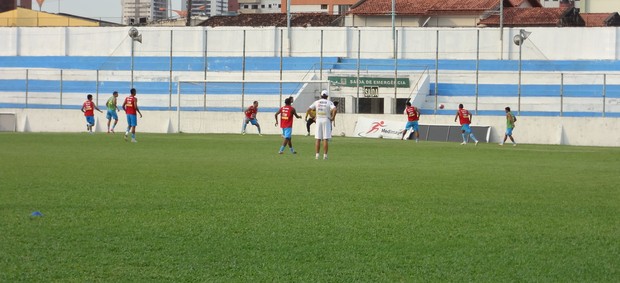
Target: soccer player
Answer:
pixel 250 117
pixel 510 125
pixel 112 109
pixel 131 107
pixel 413 115
pixel 465 119
pixel 312 120
pixel 286 113
pixel 88 108
pixel 325 113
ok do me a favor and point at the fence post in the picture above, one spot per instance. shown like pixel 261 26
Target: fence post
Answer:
pixel 477 65
pixel 243 75
pixel 436 69
pixel 27 82
pixel 97 89
pixel 604 92
pixel 170 78
pixel 357 83
pixel 206 67
pixel 281 65
pixel 60 89
pixel 561 94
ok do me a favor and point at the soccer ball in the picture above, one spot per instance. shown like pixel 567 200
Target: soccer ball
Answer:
pixel 342 134
pixel 441 106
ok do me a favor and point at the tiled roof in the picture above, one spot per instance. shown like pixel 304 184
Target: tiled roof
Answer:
pixel 528 17
pixel 273 19
pixel 422 7
pixel 596 19
pixel 517 3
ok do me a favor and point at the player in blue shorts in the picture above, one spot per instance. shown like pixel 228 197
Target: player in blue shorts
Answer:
pixel 510 125
pixel 112 109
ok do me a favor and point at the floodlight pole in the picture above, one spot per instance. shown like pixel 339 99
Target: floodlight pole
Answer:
pixel 518 40
pixel 501 29
pixel 132 50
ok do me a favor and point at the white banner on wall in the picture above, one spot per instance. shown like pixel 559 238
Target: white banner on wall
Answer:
pixel 378 128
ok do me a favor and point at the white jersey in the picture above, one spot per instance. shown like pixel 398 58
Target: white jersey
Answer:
pixel 323 108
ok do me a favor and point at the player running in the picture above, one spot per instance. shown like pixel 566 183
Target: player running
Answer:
pixel 465 119
pixel 131 107
pixel 413 115
pixel 286 113
pixel 250 117
pixel 88 108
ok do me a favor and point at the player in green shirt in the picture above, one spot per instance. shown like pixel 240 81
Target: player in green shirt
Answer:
pixel 112 109
pixel 510 125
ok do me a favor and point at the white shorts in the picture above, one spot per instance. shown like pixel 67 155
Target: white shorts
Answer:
pixel 323 129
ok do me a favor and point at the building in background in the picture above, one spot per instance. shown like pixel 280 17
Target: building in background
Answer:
pixel 585 6
pixel 141 12
pixel 208 8
pixel 330 7
pixel 8 5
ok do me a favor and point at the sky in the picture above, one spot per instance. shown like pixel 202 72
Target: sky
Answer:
pixel 105 10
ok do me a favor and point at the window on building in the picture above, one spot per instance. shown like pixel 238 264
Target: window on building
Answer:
pixel 254 6
pixel 323 6
pixel 262 6
pixel 279 5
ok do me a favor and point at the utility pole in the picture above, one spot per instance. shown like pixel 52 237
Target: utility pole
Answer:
pixel 189 13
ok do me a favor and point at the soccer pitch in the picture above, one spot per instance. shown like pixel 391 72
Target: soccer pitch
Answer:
pixel 228 208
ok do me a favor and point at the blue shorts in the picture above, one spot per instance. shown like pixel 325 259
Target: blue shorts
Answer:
pixel 90 120
pixel 509 131
pixel 111 114
pixel 466 128
pixel 286 132
pixel 132 120
pixel 253 121
pixel 412 125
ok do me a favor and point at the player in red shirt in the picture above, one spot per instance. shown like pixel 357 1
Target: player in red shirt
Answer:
pixel 413 115
pixel 250 117
pixel 286 113
pixel 465 119
pixel 88 108
pixel 131 107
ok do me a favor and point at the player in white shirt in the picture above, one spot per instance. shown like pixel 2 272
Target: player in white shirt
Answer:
pixel 325 113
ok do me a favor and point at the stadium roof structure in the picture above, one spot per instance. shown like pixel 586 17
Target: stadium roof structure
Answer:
pixel 274 19
pixel 536 17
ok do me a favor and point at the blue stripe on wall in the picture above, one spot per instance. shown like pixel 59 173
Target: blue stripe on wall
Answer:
pixel 149 87
pixel 163 63
pixel 489 90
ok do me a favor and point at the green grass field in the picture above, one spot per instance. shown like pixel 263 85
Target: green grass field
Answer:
pixel 228 208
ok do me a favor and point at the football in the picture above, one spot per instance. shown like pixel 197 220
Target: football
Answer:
pixel 441 106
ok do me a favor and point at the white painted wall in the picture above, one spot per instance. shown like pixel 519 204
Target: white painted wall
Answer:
pixel 414 43
pixel 532 130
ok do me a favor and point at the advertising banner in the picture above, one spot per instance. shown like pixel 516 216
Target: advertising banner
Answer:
pixel 378 128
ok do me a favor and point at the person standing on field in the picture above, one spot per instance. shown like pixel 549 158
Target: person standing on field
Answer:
pixel 112 109
pixel 131 108
pixel 465 119
pixel 286 113
pixel 250 117
pixel 88 108
pixel 510 125
pixel 413 115
pixel 311 120
pixel 325 113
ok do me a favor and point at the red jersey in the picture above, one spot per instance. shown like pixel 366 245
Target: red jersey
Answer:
pixel 130 105
pixel 286 116
pixel 464 116
pixel 412 113
pixel 251 112
pixel 89 108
